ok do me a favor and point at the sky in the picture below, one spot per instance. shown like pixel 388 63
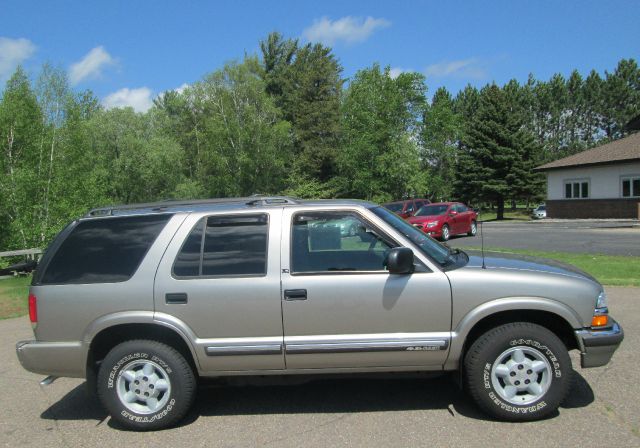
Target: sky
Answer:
pixel 128 52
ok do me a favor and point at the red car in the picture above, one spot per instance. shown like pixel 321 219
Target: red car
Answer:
pixel 406 208
pixel 445 219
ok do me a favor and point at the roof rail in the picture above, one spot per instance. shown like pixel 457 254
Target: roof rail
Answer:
pixel 253 200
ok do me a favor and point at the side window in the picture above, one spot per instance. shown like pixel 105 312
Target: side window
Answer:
pixel 188 261
pixel 462 208
pixel 336 241
pixel 225 246
pixel 105 250
pixel 409 207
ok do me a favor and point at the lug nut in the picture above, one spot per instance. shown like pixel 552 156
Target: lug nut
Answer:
pixel 146 394
pixel 513 374
pixel 136 382
pixel 517 383
pixel 520 367
pixel 150 386
pixel 137 391
pixel 144 378
pixel 529 372
pixel 527 381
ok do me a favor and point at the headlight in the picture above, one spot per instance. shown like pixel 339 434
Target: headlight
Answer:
pixel 601 301
pixel 432 224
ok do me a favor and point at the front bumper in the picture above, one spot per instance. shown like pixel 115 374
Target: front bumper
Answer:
pixel 53 358
pixel 597 346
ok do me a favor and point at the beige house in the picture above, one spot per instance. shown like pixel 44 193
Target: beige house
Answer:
pixel 603 182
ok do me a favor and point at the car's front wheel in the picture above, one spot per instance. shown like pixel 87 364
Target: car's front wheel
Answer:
pixel 146 385
pixel 445 233
pixel 473 229
pixel 518 372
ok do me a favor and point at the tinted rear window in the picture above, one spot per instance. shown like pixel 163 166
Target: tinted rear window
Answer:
pixel 230 246
pixel 104 250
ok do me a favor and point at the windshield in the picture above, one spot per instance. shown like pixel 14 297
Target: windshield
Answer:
pixel 395 207
pixel 440 253
pixel 432 210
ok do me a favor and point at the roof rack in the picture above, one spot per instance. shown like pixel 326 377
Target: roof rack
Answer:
pixel 254 200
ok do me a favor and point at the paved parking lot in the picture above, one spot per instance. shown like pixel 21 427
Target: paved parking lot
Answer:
pixel 595 237
pixel 602 410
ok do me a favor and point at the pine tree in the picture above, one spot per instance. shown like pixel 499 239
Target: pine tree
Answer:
pixel 497 155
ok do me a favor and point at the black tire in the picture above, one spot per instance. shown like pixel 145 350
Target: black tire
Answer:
pixel 445 234
pixel 180 376
pixel 486 351
pixel 473 229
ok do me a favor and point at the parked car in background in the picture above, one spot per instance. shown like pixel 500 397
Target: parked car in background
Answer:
pixel 445 219
pixel 406 208
pixel 539 212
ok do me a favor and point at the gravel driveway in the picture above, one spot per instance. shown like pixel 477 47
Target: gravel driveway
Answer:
pixel 602 410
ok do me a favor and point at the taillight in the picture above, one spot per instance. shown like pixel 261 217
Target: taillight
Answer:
pixel 33 309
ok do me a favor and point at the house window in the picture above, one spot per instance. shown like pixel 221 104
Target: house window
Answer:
pixel 631 187
pixel 576 189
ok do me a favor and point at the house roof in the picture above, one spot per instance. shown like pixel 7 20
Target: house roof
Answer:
pixel 622 150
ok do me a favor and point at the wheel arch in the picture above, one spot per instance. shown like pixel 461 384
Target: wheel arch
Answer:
pixel 547 313
pixel 111 331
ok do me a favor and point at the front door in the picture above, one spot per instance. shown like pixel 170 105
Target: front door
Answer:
pixel 220 277
pixel 342 309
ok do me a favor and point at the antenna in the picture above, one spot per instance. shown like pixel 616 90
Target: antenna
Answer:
pixel 484 266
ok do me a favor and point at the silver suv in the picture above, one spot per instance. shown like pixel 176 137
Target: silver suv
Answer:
pixel 142 300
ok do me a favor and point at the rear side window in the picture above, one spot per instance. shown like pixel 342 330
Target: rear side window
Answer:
pixel 225 246
pixel 104 250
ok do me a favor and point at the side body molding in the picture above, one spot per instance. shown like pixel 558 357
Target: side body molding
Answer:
pixel 464 326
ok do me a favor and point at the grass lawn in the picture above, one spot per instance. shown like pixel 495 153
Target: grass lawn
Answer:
pixel 13 296
pixel 610 270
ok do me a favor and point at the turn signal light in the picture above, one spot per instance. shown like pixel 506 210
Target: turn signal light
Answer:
pixel 33 309
pixel 600 321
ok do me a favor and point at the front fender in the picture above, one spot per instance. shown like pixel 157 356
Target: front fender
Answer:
pixel 461 331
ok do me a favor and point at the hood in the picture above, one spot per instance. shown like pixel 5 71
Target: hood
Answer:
pixel 498 260
pixel 427 218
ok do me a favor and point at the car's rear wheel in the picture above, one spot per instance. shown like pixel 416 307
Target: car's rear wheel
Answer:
pixel 473 229
pixel 518 372
pixel 146 385
pixel 445 233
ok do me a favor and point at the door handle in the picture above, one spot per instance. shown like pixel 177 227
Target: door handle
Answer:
pixel 295 294
pixel 175 298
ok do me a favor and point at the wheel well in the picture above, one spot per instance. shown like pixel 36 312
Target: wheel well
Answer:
pixel 108 338
pixel 550 321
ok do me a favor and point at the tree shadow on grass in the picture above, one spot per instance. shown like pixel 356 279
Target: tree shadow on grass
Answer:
pixel 323 395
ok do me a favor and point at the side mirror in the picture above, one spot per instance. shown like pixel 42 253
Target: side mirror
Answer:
pixel 400 260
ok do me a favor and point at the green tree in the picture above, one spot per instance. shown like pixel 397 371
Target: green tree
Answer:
pixel 621 98
pixel 497 153
pixel 380 158
pixel 20 138
pixel 440 137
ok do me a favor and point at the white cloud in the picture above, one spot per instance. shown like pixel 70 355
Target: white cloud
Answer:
pixel 14 52
pixel 462 68
pixel 394 72
pixel 139 99
pixel 348 29
pixel 182 88
pixel 91 65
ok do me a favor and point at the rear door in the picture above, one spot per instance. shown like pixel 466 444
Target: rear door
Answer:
pixel 342 308
pixel 220 278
